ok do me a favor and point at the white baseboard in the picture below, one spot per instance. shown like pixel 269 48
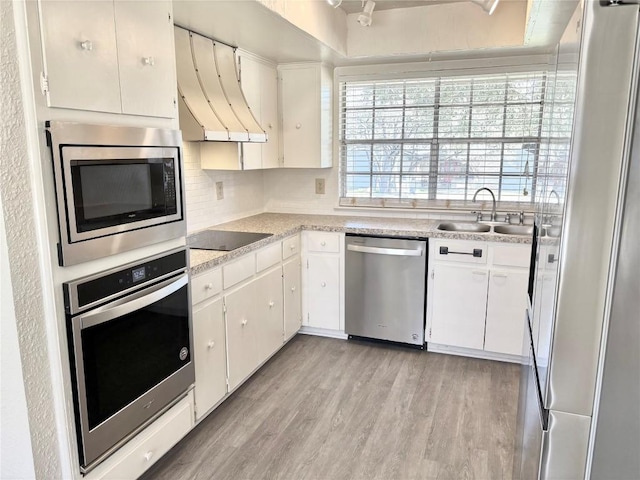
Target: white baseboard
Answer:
pixel 323 332
pixel 470 352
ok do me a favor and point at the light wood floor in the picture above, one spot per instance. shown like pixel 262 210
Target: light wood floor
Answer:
pixel 332 409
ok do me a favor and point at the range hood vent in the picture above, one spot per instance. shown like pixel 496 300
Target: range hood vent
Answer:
pixel 211 106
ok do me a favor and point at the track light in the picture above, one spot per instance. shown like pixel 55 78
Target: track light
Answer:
pixel 334 3
pixel 365 17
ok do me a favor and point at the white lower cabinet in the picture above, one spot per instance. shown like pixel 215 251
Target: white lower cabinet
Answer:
pixel 506 305
pixel 136 456
pixel 210 356
pixel 459 305
pixel 269 313
pixel 476 296
pixel 292 297
pixel 323 266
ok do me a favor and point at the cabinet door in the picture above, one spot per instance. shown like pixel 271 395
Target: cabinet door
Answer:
pixel 300 92
pixel 209 356
pixel 459 306
pixel 323 291
pixel 250 77
pixel 242 333
pixel 269 313
pixel 506 306
pixel 146 57
pixel 80 55
pixel 292 299
pixel 269 116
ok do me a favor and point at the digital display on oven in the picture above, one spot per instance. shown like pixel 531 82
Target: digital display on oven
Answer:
pixel 138 274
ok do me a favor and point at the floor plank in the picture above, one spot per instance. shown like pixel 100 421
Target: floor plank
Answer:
pixel 331 409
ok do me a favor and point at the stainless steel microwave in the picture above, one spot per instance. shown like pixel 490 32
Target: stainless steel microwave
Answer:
pixel 117 188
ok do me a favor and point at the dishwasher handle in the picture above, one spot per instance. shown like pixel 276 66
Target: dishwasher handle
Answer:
pixel 386 251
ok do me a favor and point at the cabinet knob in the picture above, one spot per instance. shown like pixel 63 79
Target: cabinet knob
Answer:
pixel 244 322
pixel 323 284
pixel 270 126
pixel 298 126
pixel 293 289
pixel 148 61
pixel 148 456
pixel 292 247
pixel 208 286
pixel 86 45
pixel 271 304
pixel 323 243
pixel 211 344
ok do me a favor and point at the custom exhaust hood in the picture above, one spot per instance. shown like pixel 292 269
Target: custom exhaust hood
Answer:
pixel 211 104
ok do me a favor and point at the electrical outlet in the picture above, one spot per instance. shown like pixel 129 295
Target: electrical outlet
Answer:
pixel 219 191
pixel 320 186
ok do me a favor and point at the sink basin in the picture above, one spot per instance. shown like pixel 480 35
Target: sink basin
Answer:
pixel 464 227
pixel 514 229
pixel 553 232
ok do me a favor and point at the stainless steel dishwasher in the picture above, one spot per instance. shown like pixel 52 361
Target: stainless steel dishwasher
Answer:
pixel 385 288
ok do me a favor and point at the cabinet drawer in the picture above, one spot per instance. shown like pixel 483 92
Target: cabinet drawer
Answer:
pixel 457 251
pixel 511 255
pixel 206 285
pixel 290 246
pixel 323 242
pixel 239 270
pixel 145 449
pixel 268 256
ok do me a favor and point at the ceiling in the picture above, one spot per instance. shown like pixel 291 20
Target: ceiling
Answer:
pixel 355 6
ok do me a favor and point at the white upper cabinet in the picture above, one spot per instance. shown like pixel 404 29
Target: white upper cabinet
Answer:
pixel 146 59
pixel 306 92
pixel 80 55
pixel 259 79
pixel 106 56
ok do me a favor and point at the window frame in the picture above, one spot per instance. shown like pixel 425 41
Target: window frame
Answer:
pixel 543 64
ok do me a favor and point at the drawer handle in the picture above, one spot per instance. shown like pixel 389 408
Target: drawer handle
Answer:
pixel 477 252
pixel 208 286
pixel 323 243
pixel 271 304
pixel 323 284
pixel 148 456
pixel 244 322
pixel 293 289
pixel 211 344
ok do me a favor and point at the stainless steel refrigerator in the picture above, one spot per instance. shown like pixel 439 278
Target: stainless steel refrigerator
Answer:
pixel 579 412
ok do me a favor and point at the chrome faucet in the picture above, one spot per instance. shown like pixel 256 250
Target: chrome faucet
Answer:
pixel 493 209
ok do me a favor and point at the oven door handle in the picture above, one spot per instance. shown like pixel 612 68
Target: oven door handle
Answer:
pixel 133 302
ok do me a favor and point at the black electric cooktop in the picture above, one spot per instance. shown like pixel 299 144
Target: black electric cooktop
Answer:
pixel 223 240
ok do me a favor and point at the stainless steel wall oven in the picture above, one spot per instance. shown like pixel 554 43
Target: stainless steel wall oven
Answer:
pixel 130 343
pixel 117 188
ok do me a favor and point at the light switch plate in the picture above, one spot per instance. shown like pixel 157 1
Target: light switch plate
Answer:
pixel 320 186
pixel 219 191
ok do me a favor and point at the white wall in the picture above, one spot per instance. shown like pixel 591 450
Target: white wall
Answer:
pixel 16 455
pixel 444 27
pixel 243 192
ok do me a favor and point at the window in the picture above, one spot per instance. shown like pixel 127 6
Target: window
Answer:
pixel 433 142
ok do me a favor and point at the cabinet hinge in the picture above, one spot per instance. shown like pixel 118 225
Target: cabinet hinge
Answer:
pixel 429 332
pixel 307 264
pixel 175 102
pixel 44 83
pixel 169 14
pixel 432 274
pixel 224 307
pixel 227 380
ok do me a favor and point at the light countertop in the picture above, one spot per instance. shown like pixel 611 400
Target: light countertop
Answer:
pixel 282 225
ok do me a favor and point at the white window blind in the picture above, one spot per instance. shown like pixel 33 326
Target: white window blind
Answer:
pixel 433 142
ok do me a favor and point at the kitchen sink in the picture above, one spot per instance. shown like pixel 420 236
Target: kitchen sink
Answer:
pixel 464 227
pixel 514 229
pixel 553 232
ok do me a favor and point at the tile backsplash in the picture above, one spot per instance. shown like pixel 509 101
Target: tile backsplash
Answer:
pixel 243 192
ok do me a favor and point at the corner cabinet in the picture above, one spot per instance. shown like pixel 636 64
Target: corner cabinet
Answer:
pixel 109 56
pixel 259 80
pixel 306 94
pixel 323 281
pixel 476 298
